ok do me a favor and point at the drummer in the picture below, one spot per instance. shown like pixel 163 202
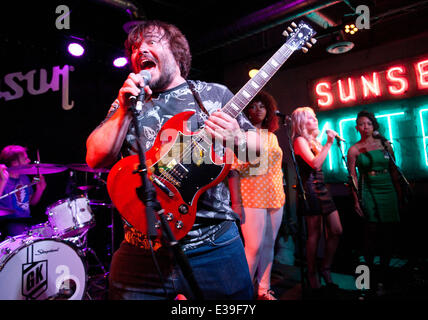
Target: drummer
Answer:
pixel 15 213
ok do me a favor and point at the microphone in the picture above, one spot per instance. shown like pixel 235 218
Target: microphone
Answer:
pixel 284 116
pixel 338 138
pixel 140 98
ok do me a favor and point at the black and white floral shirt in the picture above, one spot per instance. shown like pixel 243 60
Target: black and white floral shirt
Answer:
pixel 213 209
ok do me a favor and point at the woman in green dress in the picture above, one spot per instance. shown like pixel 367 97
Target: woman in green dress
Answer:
pixel 377 200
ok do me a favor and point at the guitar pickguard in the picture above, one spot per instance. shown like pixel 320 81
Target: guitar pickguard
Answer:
pixel 187 166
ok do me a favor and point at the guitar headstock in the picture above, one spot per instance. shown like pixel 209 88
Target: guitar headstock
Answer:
pixel 300 36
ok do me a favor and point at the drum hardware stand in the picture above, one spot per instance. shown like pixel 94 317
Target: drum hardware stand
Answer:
pixel 147 194
pixel 97 176
pixel 90 250
pixel 301 194
pixel 81 242
pixel 111 226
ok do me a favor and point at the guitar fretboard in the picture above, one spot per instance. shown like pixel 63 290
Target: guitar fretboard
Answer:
pixel 247 93
pixel 255 84
pixel 238 103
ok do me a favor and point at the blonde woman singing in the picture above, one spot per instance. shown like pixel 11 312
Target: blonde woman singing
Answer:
pixel 322 212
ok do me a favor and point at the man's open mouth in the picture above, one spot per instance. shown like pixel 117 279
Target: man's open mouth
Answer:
pixel 147 64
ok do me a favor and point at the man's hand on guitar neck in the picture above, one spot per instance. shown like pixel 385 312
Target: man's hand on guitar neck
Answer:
pixel 223 127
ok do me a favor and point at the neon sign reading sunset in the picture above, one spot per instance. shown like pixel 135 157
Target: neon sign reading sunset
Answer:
pixel 396 81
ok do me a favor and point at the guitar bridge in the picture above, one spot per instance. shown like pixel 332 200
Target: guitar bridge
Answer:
pixel 167 176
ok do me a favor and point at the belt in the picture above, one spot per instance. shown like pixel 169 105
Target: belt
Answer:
pixel 376 172
pixel 138 239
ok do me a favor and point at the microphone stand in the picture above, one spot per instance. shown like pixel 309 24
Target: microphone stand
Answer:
pixel 350 179
pixel 301 193
pixel 400 172
pixel 147 194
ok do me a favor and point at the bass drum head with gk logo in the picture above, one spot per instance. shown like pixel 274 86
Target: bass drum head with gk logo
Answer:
pixel 34 268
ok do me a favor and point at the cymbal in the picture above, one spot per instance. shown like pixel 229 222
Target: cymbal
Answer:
pixel 6 212
pixel 85 188
pixel 99 203
pixel 84 167
pixel 38 168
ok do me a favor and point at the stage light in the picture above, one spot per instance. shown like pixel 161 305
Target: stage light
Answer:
pixel 76 49
pixel 120 62
pixel 253 72
pixel 351 28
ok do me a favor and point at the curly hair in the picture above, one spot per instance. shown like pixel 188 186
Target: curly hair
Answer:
pixel 370 116
pixel 270 122
pixel 177 42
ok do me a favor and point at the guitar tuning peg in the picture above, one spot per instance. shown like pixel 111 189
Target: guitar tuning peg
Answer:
pixel 289 29
pixel 313 40
pixel 285 33
pixel 304 49
pixel 309 45
pixel 293 25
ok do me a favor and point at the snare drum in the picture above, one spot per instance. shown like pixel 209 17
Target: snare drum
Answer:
pixel 35 268
pixel 70 217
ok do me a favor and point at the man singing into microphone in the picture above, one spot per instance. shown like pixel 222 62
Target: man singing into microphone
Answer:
pixel 213 246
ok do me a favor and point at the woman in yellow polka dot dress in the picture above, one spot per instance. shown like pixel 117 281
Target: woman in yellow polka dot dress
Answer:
pixel 257 194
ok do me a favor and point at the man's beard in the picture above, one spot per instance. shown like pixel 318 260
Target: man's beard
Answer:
pixel 163 82
pixel 165 79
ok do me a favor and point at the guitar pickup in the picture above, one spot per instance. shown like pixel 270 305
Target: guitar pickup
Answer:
pixel 162 186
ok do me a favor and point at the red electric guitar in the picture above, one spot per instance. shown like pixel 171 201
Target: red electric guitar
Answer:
pixel 182 164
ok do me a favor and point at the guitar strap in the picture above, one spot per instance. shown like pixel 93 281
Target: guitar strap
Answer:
pixel 197 97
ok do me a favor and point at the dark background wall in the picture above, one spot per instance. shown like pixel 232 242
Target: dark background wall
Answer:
pixel 30 41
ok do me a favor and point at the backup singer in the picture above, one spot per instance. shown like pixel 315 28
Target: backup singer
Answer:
pixel 310 156
pixel 378 191
pixel 259 196
pixel 213 246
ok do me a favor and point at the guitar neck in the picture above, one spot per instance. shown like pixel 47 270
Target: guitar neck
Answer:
pixel 298 38
pixel 238 103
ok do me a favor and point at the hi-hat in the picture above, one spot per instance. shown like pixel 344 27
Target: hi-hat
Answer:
pixel 37 168
pixel 84 167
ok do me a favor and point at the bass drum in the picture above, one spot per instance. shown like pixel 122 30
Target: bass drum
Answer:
pixel 35 268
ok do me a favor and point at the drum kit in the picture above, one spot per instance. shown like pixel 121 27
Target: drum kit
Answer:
pixel 50 260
